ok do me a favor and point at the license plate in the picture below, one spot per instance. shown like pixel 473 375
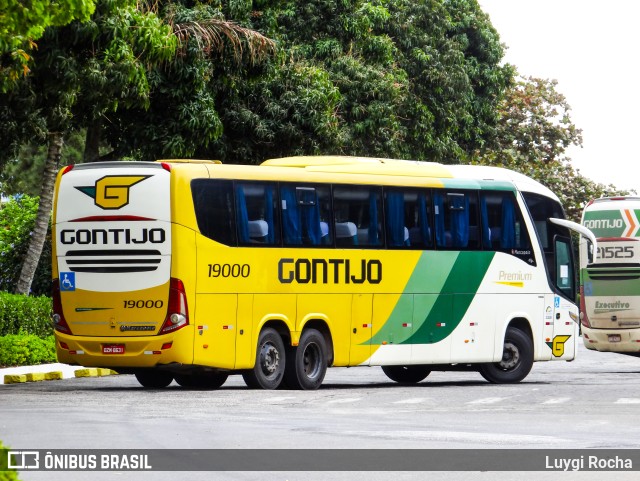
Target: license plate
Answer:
pixel 614 338
pixel 113 349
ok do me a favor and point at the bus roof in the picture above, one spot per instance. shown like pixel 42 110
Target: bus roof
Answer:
pixel 607 200
pixel 368 169
pixel 411 168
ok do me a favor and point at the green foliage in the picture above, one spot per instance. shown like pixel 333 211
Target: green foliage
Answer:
pixel 17 220
pixel 183 118
pixel 414 79
pixel 80 73
pixel 405 78
pixel 291 111
pixel 25 315
pixel 23 22
pixel 536 121
pixel 5 474
pixel 23 174
pixel 26 350
pixel 83 71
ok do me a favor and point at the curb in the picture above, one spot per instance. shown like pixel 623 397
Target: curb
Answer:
pixel 56 375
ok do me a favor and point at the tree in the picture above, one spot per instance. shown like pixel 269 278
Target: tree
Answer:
pixel 404 78
pixel 533 134
pixel 17 218
pixel 24 22
pixel 87 70
pixel 23 174
pixel 182 118
pixel 80 72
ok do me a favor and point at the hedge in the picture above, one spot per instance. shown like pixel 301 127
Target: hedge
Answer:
pixel 17 221
pixel 27 350
pixel 25 315
pixel 26 330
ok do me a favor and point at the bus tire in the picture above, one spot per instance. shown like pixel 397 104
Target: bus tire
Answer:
pixel 207 380
pixel 517 359
pixel 270 362
pixel 307 363
pixel 154 379
pixel 406 374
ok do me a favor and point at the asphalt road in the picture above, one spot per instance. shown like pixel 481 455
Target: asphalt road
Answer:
pixel 591 403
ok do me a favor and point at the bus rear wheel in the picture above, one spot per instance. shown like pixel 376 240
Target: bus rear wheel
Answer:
pixel 154 379
pixel 516 362
pixel 206 380
pixel 406 374
pixel 270 362
pixel 307 363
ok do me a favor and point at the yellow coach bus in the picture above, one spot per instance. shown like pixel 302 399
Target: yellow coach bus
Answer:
pixel 194 270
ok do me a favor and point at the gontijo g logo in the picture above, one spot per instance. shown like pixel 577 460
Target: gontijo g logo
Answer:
pixel 557 345
pixel 112 191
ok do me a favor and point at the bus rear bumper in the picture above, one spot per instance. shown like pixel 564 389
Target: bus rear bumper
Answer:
pixel 126 352
pixel 611 340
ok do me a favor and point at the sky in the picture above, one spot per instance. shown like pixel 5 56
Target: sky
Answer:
pixel 592 49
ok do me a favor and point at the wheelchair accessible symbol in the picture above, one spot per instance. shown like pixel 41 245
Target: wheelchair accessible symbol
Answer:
pixel 68 281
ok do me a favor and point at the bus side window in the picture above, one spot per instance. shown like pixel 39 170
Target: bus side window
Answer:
pixel 257 219
pixel 394 209
pixel 502 224
pixel 305 215
pixel 407 218
pixel 215 210
pixel 359 207
pixel 456 220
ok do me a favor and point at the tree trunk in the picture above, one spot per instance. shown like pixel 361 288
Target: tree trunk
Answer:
pixel 92 144
pixel 44 214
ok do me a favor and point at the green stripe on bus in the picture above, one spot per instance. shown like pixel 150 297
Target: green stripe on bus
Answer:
pixel 464 279
pixel 436 298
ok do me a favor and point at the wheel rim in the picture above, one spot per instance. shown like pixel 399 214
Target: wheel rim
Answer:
pixel 312 359
pixel 510 357
pixel 269 359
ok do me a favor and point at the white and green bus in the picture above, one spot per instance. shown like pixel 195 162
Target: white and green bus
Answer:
pixel 610 280
pixel 195 270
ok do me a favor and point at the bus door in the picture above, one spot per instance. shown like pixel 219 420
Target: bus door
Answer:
pixel 564 313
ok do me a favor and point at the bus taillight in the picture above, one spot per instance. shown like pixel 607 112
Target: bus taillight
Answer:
pixel 59 322
pixel 584 319
pixel 177 312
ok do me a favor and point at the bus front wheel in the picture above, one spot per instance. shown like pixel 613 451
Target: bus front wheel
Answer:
pixel 307 363
pixel 406 374
pixel 270 362
pixel 153 379
pixel 516 362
